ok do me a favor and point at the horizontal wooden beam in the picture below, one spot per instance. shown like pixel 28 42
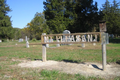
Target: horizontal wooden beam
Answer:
pixel 97 33
pixel 62 43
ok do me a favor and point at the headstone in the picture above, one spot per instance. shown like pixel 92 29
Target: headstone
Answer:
pixel 0 40
pixel 26 38
pixel 47 45
pixel 58 45
pixel 112 36
pixel 20 40
pixel 68 38
pixel 94 43
pixel 83 40
pixel 83 44
pixel 27 44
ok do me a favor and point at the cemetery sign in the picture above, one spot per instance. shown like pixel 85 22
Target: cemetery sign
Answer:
pixel 74 38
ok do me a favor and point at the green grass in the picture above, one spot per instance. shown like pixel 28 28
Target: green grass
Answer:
pixel 73 53
pixel 55 75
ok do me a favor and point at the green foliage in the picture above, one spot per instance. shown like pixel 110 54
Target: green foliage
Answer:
pixel 74 15
pixel 6 31
pixel 34 40
pixel 36 27
pixel 17 33
pixel 54 14
pixel 112 16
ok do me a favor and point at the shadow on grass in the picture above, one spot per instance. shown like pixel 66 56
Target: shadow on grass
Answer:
pixel 73 61
pixel 34 59
pixel 81 62
pixel 118 62
pixel 38 59
pixel 114 40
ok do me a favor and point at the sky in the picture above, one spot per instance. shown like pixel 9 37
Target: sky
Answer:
pixel 23 11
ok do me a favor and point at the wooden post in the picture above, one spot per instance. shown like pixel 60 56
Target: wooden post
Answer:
pixel 44 49
pixel 104 51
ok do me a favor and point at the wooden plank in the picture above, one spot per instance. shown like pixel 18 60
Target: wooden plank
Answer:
pixel 104 56
pixel 44 52
pixel 97 33
pixel 44 49
pixel 104 50
pixel 62 43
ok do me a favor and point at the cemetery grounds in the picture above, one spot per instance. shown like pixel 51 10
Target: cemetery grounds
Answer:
pixel 67 62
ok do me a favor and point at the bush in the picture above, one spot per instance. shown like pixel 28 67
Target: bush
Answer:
pixel 34 39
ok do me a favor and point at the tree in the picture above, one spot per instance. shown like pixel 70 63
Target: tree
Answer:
pixel 84 15
pixel 17 33
pixel 54 14
pixel 74 15
pixel 37 26
pixel 112 16
pixel 6 30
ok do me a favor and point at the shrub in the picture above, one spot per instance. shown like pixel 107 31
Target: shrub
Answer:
pixel 34 39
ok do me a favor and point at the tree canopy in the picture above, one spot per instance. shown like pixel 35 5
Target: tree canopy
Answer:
pixel 6 30
pixel 36 27
pixel 74 15
pixel 112 16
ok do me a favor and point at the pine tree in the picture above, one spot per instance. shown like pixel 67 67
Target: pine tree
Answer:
pixel 6 30
pixel 54 14
pixel 112 17
pixel 83 14
pixel 74 15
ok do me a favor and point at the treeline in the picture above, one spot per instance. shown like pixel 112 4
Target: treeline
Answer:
pixel 76 16
pixel 58 15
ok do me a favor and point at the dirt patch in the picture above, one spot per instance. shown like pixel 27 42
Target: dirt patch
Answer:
pixel 86 69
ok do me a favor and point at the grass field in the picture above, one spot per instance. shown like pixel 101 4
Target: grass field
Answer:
pixel 68 53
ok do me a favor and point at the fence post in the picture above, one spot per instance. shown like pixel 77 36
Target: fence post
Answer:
pixel 44 48
pixel 104 51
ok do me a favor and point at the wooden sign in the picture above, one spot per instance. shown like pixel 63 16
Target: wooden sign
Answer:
pixel 102 26
pixel 72 38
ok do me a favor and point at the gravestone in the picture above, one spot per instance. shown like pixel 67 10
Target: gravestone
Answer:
pixel 20 40
pixel 26 38
pixel 0 40
pixel 68 37
pixel 83 40
pixel 111 36
pixel 58 45
pixel 27 44
pixel 94 43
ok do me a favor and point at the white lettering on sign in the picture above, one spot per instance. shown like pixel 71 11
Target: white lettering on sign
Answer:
pixel 89 38
pixel 72 38
pixel 83 38
pixel 78 39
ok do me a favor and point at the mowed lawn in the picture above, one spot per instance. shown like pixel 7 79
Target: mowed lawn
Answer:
pixel 70 53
